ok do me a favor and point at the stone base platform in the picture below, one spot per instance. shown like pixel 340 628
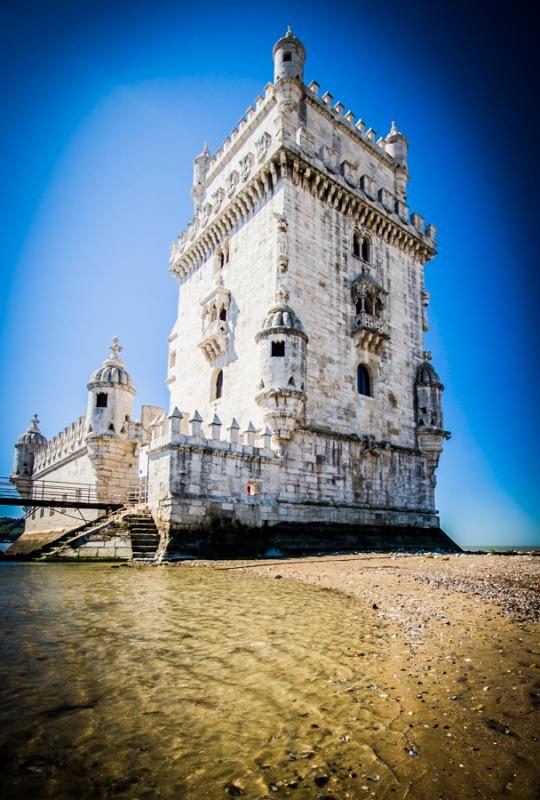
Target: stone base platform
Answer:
pixel 226 540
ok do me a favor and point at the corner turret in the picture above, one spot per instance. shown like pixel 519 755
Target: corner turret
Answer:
pixel 25 450
pixel 282 343
pixel 429 419
pixel 397 147
pixel 201 165
pixel 289 58
pixel 110 397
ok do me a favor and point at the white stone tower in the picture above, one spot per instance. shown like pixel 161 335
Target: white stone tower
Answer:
pixel 112 447
pixel 289 58
pixel 110 396
pixel 26 448
pixel 302 315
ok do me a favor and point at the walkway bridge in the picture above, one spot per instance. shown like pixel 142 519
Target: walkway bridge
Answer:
pixel 51 494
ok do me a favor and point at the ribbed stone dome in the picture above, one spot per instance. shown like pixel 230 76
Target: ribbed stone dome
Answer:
pixel 289 38
pixel 426 375
pixel 32 434
pixel 111 374
pixel 281 316
pixel 113 369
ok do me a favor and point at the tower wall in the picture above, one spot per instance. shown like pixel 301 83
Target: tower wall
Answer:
pixel 249 276
pixel 322 268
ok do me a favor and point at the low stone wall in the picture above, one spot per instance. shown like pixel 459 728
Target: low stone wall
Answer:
pixel 110 541
pixel 29 543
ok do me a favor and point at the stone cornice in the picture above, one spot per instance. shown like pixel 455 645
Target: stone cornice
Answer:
pixel 286 163
pixel 313 430
pixel 308 501
pixel 255 454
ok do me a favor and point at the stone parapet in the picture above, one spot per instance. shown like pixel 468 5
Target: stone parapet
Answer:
pixel 64 445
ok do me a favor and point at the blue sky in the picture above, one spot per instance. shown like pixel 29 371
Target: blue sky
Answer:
pixel 106 104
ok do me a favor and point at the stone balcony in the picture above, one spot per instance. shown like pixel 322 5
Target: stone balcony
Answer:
pixel 369 332
pixel 215 339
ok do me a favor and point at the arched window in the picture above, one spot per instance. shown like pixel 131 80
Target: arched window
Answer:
pixel 101 400
pixel 368 304
pixel 363 381
pixel 356 244
pixel 358 306
pixel 223 314
pixel 366 249
pixel 219 384
pixel 378 308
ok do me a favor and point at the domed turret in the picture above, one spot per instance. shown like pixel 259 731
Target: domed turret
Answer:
pixel 428 397
pixel 289 57
pixel 25 449
pixel 201 164
pixel 110 396
pixel 397 147
pixel 282 343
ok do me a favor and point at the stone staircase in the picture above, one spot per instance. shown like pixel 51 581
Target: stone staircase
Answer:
pixel 144 536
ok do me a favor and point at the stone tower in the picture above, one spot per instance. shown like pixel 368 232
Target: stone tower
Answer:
pixel 112 447
pixel 301 324
pixel 110 396
pixel 26 448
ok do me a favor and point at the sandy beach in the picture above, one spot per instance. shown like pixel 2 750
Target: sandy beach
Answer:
pixel 462 671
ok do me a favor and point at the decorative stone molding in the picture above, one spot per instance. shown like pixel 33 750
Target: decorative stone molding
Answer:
pixel 282 244
pixel 185 255
pixel 369 329
pixel 261 146
pixel 215 327
pixel 350 172
pixel 246 164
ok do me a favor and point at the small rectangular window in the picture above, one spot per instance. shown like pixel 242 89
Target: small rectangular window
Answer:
pixel 101 400
pixel 278 349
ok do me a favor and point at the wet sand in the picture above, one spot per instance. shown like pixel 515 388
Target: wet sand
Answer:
pixel 462 666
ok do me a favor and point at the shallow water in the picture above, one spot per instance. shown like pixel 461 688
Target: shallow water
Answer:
pixel 191 683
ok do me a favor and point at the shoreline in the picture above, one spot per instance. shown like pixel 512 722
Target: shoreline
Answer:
pixel 464 660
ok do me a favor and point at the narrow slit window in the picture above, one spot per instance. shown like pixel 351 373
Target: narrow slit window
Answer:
pixel 363 381
pixel 366 249
pixel 356 244
pixel 278 349
pixel 219 384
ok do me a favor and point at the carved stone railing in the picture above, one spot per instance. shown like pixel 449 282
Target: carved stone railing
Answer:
pixel 369 332
pixel 215 339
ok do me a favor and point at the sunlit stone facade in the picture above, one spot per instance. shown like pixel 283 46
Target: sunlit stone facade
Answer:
pixel 299 339
pixel 300 391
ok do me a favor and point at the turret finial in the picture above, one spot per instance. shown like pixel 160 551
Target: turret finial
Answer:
pixel 35 422
pixel 427 355
pixel 115 347
pixel 289 33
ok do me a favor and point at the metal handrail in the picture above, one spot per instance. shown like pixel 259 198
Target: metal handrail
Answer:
pixel 48 492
